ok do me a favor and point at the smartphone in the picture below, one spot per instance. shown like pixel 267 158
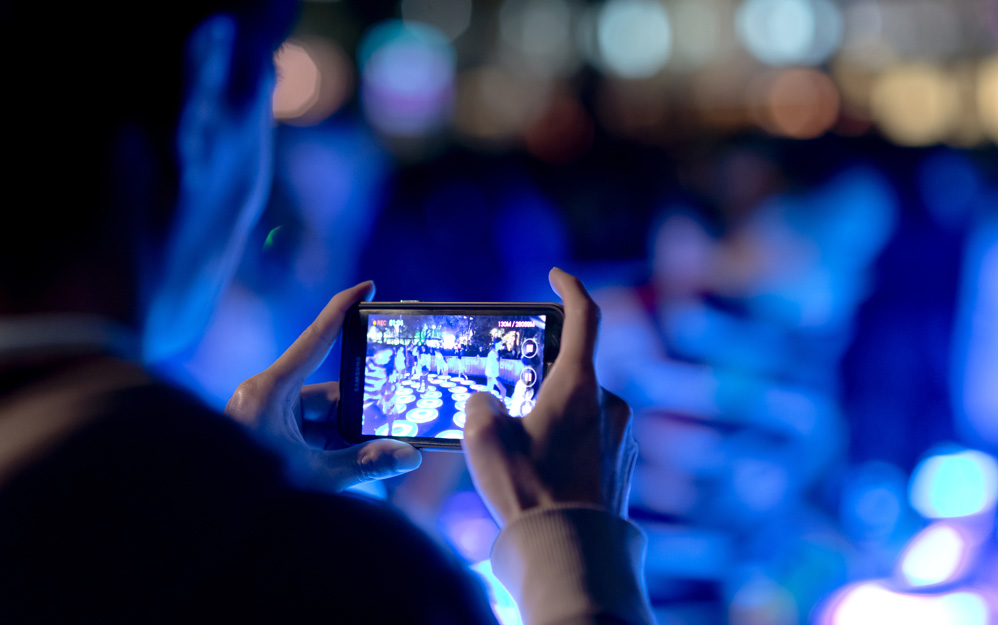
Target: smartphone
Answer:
pixel 408 368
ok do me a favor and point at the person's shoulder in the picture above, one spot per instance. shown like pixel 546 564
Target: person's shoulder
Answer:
pixel 363 552
pixel 168 438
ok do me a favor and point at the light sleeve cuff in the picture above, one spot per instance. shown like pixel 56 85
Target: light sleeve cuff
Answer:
pixel 571 564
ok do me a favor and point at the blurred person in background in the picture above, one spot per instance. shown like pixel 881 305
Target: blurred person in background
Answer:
pixel 125 499
pixel 728 355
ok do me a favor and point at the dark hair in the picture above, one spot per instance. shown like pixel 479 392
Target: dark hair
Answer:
pixel 81 78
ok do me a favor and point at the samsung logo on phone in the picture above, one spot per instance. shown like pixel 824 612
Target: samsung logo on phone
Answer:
pixel 356 374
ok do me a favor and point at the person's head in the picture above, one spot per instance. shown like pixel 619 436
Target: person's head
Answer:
pixel 139 136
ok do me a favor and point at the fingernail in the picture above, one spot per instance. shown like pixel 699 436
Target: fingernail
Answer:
pixel 407 458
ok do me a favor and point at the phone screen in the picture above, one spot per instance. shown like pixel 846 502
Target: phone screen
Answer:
pixel 420 369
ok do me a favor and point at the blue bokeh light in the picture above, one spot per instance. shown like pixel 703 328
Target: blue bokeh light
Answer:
pixel 873 500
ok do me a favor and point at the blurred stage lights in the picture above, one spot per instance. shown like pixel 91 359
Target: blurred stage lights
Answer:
pixel 408 69
pixel 314 79
pixel 633 38
pixel 954 485
pixel 407 78
pixel 935 556
pixel 873 603
pixel 790 32
pixel 915 105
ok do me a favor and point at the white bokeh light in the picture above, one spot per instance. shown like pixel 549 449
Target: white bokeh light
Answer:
pixel 872 603
pixel 633 37
pixel 790 32
pixel 934 556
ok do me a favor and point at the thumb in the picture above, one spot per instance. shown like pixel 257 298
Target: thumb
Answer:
pixel 485 420
pixel 494 445
pixel 374 460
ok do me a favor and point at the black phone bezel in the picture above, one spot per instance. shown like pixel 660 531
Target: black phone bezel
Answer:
pixel 354 354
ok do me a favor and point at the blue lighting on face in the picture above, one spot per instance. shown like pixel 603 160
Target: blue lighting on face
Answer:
pixel 954 485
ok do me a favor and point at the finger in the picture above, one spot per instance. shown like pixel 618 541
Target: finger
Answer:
pixel 490 445
pixel 311 348
pixel 374 460
pixel 582 318
pixel 481 410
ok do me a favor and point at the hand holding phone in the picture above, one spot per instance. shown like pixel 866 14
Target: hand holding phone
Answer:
pixel 275 401
pixel 574 447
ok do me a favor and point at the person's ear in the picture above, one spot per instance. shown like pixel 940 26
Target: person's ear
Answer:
pixel 208 68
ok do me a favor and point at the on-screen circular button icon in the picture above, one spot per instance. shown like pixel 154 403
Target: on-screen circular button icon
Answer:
pixel 528 376
pixel 529 348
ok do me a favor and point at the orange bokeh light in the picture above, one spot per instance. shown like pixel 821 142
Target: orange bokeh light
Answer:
pixel 799 103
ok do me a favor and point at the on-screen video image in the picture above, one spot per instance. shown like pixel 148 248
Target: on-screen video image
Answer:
pixel 422 369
